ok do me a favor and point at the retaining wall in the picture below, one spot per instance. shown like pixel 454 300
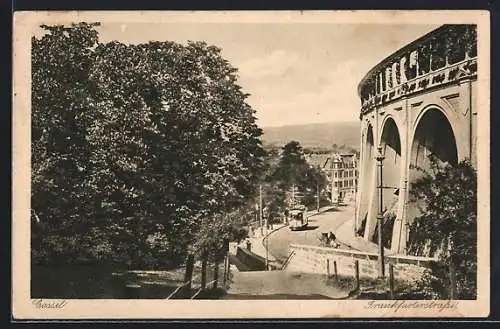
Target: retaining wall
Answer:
pixel 311 259
pixel 253 261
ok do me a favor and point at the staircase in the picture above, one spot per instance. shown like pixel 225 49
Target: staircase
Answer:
pixel 280 285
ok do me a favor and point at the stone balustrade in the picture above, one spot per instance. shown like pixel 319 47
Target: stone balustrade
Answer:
pixel 443 56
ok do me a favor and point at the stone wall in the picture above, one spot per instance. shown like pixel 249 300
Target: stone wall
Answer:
pixel 321 260
pixel 253 261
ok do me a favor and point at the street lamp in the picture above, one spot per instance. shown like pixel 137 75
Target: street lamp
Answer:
pixel 267 252
pixel 380 218
pixel 317 196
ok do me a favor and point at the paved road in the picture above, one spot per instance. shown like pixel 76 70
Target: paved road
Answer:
pixel 281 285
pixel 324 222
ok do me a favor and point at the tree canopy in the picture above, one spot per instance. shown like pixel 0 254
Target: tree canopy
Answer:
pixel 447 224
pixel 293 171
pixel 135 147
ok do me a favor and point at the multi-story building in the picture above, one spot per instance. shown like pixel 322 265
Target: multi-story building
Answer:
pixel 342 173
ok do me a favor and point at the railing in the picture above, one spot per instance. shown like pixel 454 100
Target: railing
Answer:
pixel 442 76
pixel 443 48
pixel 203 289
pixel 174 293
pixel 178 290
pixel 417 260
pixel 287 261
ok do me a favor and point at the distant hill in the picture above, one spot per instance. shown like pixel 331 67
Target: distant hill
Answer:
pixel 316 135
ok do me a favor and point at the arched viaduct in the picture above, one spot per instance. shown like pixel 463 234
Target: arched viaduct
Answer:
pixel 421 100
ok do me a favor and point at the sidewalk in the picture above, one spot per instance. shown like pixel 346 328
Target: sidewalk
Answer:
pixel 345 234
pixel 258 241
pixel 258 238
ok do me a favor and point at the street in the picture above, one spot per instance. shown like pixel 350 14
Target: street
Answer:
pixel 324 222
pixel 285 285
pixel 281 285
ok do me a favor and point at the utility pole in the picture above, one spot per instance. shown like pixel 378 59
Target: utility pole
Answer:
pixel 380 217
pixel 260 207
pixel 333 185
pixel 293 194
pixel 267 253
pixel 317 196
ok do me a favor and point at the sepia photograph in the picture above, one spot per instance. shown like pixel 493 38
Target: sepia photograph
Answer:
pixel 250 164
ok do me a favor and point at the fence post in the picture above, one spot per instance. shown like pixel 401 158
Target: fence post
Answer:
pixel 328 268
pixel 391 280
pixel 204 270
pixel 228 271
pixel 335 270
pixel 188 276
pixel 356 267
pixel 453 283
pixel 216 274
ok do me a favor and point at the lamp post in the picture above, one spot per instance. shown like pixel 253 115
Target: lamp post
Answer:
pixel 380 218
pixel 267 253
pixel 260 210
pixel 317 196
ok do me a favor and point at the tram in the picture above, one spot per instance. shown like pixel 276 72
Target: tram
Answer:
pixel 297 219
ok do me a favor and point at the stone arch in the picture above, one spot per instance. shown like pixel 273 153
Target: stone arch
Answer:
pixel 390 141
pixel 366 175
pixel 433 133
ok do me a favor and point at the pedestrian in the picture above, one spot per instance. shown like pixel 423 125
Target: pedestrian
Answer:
pixel 332 240
pixel 324 239
pixel 249 244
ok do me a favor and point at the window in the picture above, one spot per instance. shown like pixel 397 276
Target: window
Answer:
pixel 456 50
pixel 395 73
pixel 402 70
pixel 424 59
pixel 438 55
pixel 388 78
pixel 411 67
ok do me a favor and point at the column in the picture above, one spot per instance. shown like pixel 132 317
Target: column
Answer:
pixel 399 236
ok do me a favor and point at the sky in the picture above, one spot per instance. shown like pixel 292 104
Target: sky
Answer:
pixel 295 73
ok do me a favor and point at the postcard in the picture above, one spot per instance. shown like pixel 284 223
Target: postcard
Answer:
pixel 250 165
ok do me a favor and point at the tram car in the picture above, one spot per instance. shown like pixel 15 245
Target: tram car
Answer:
pixel 298 219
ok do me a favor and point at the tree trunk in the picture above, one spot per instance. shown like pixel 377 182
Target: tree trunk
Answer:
pixel 188 276
pixel 204 270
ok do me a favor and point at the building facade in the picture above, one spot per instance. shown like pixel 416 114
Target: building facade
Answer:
pixel 342 173
pixel 420 100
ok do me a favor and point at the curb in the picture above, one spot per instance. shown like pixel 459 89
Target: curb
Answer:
pixel 285 225
pixel 386 251
pixel 320 212
pixel 268 234
pixel 340 240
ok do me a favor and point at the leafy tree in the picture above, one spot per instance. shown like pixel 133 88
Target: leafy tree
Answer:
pixel 291 167
pixel 125 167
pixel 447 225
pixel 293 170
pixel 61 112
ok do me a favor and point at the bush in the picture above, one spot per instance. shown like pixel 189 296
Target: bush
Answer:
pixel 447 226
